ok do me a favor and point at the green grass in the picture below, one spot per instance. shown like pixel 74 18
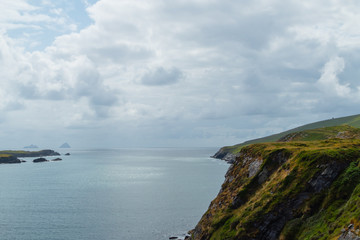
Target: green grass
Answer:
pixel 21 153
pixel 352 121
pixel 4 155
pixel 290 167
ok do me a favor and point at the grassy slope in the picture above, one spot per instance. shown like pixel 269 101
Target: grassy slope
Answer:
pixel 21 153
pixel 321 215
pixel 353 121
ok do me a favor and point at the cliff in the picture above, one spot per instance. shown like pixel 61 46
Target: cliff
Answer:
pixel 229 153
pixel 289 190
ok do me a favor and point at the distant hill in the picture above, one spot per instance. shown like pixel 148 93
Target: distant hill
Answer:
pixel 31 146
pixel 65 145
pixel 342 132
pixel 353 121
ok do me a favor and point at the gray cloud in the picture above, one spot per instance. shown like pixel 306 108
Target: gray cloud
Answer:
pixel 119 53
pixel 161 76
pixel 251 68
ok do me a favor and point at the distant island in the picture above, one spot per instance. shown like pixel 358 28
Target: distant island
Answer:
pixel 31 146
pixel 65 145
pixel 10 156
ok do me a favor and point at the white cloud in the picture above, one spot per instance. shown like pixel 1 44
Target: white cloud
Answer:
pixel 329 81
pixel 220 65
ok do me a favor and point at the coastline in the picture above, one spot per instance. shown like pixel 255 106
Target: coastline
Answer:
pixel 12 156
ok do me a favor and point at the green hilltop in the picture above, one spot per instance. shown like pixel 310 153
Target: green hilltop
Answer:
pixel 353 121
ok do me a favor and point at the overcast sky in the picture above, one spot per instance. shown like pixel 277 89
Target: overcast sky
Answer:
pixel 133 73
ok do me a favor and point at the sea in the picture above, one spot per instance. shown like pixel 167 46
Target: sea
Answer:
pixel 108 194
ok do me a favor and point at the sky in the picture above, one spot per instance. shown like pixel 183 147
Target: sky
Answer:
pixel 179 73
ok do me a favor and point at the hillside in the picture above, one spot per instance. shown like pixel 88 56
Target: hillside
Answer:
pixel 229 152
pixel 290 190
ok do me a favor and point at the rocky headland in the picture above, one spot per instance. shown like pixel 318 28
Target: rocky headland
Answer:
pixel 291 190
pixel 4 158
pixel 303 185
pixel 10 156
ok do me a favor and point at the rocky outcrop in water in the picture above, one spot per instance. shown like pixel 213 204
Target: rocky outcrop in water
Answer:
pixel 9 159
pixel 11 156
pixel 37 160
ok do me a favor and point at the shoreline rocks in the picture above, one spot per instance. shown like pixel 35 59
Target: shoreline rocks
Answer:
pixel 181 237
pixel 9 159
pixel 37 160
pixel 226 156
pixel 11 156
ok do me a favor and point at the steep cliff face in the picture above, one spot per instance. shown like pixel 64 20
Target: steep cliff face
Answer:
pixel 288 190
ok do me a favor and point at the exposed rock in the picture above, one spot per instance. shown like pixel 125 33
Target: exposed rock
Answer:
pixel 56 159
pixel 349 235
pixel 230 158
pixel 327 176
pixel 9 159
pixel 274 190
pixel 10 156
pixel 40 160
pixel 220 154
pixel 225 155
pixel 254 167
pixel 182 237
pixel 67 154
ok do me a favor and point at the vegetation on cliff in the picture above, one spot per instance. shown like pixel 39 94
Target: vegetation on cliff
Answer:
pixel 300 187
pixel 352 121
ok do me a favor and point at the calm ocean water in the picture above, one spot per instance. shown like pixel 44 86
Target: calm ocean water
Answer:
pixel 109 194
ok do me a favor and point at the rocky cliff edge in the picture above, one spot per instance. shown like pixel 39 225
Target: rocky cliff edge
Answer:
pixel 288 190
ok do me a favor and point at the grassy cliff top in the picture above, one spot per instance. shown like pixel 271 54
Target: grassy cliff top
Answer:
pixel 352 121
pixel 21 153
pixel 288 190
pixel 4 155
